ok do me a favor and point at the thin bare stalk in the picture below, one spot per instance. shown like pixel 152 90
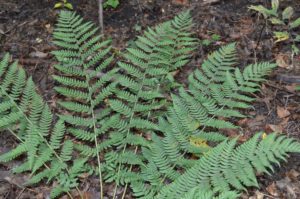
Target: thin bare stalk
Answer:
pixel 100 15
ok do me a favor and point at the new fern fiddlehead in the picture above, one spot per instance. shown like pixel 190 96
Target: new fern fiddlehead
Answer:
pixel 29 119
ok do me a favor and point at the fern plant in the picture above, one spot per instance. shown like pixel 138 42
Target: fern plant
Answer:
pixel 139 94
pixel 25 115
pixel 84 83
pixel 217 89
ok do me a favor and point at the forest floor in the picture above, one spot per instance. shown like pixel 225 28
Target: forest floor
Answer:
pixel 25 32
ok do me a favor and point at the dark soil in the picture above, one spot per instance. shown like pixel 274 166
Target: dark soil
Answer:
pixel 25 32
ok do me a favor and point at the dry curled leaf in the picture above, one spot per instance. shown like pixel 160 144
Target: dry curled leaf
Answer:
pixel 259 195
pixel 273 128
pixel 38 54
pixel 291 88
pixel 180 2
pixel 272 189
pixel 282 60
pixel 282 112
pixel 292 174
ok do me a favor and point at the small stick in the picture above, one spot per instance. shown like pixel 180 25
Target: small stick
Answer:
pixel 100 12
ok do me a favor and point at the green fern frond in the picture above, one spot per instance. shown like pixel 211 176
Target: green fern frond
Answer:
pixel 14 153
pixel 25 114
pixel 84 83
pixel 139 93
pixel 228 166
pixel 201 194
pixel 194 110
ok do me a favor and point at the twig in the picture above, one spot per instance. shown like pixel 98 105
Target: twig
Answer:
pixel 100 12
pixel 260 36
pixel 139 5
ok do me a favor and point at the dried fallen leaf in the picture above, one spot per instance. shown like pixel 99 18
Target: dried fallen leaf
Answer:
pixel 38 54
pixel 243 122
pixel 49 28
pixel 209 1
pixel 273 128
pixel 291 88
pixel 282 112
pixel 259 195
pixel 292 174
pixel 260 118
pixel 272 189
pixel 233 133
pixel 284 122
pixel 180 2
pixel 282 60
pixel 40 196
pixel 85 195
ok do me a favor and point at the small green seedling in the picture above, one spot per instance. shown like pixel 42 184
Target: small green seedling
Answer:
pixel 111 3
pixel 63 4
pixel 283 21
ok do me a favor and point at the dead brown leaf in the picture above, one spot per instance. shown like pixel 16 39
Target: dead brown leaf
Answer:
pixel 38 54
pixel 209 1
pixel 282 112
pixel 292 174
pixel 243 122
pixel 40 196
pixel 49 28
pixel 269 128
pixel 260 118
pixel 233 133
pixel 259 195
pixel 247 27
pixel 180 2
pixel 272 189
pixel 282 60
pixel 291 88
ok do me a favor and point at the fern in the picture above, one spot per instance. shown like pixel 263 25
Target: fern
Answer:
pixel 84 56
pixel 84 82
pixel 29 119
pixel 226 89
pixel 140 87
pixel 226 166
pixel 193 111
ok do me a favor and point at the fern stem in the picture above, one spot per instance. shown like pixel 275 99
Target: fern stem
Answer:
pixel 98 158
pixel 46 142
pixel 100 15
pixel 95 136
